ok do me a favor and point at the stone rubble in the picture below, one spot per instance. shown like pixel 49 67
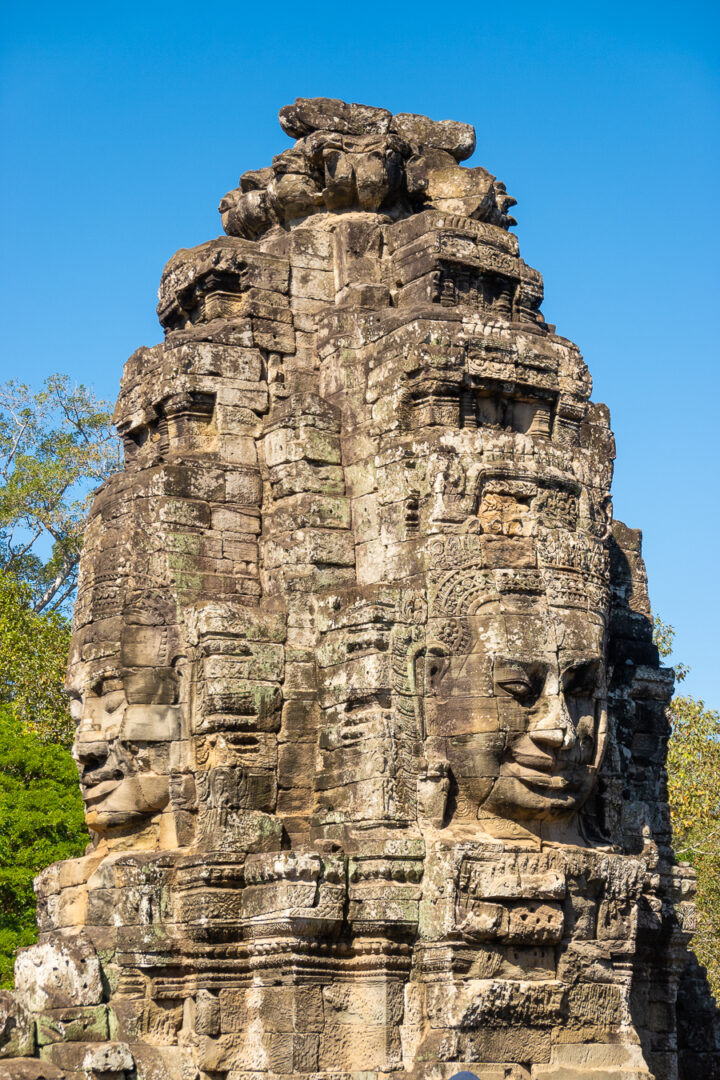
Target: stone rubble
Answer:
pixel 371 727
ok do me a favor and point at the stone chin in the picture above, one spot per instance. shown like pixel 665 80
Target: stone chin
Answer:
pixel 130 801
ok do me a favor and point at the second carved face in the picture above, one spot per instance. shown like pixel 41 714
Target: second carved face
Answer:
pixel 127 719
pixel 515 704
pixel 122 748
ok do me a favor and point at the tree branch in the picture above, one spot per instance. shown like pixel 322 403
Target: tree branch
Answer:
pixel 23 550
pixel 14 447
pixel 699 851
pixel 56 584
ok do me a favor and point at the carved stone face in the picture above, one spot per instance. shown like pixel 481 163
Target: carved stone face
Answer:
pixel 122 747
pixel 515 705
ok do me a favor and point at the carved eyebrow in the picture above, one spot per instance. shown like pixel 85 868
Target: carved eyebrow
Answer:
pixel 100 683
pixel 533 672
pixel 505 668
pixel 112 684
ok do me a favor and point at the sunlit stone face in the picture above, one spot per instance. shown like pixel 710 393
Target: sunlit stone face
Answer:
pixel 122 748
pixel 515 705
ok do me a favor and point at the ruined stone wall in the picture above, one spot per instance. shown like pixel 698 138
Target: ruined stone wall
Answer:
pixel 371 728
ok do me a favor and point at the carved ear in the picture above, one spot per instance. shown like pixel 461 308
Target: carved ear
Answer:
pixel 428 665
pixel 437 662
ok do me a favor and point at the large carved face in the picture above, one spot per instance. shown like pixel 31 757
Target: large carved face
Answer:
pixel 122 747
pixel 515 703
pixel 127 718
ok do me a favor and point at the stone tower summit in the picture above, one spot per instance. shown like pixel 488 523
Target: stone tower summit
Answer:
pixel 371 728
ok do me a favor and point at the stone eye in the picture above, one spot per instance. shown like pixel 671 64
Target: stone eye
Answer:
pixel 521 681
pixel 113 701
pixel 582 680
pixel 519 688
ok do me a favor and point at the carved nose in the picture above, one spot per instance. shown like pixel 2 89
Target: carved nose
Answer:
pixel 95 760
pixel 553 737
pixel 554 730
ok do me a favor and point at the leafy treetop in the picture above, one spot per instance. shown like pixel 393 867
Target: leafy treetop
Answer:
pixel 56 446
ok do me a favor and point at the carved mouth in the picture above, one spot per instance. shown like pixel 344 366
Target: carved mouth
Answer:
pixel 535 762
pixel 99 791
pixel 555 783
pixel 538 778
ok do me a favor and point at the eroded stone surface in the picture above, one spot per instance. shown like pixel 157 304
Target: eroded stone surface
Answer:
pixel 371 728
pixel 17 1031
pixel 63 971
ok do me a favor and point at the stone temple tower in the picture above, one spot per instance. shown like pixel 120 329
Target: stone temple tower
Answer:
pixel 371 728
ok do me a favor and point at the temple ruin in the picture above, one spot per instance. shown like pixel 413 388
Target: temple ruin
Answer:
pixel 371 728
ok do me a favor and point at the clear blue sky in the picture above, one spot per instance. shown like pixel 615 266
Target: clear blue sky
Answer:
pixel 123 124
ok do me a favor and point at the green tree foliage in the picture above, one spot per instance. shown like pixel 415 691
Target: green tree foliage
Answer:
pixel 41 821
pixel 33 657
pixel 694 795
pixel 56 446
